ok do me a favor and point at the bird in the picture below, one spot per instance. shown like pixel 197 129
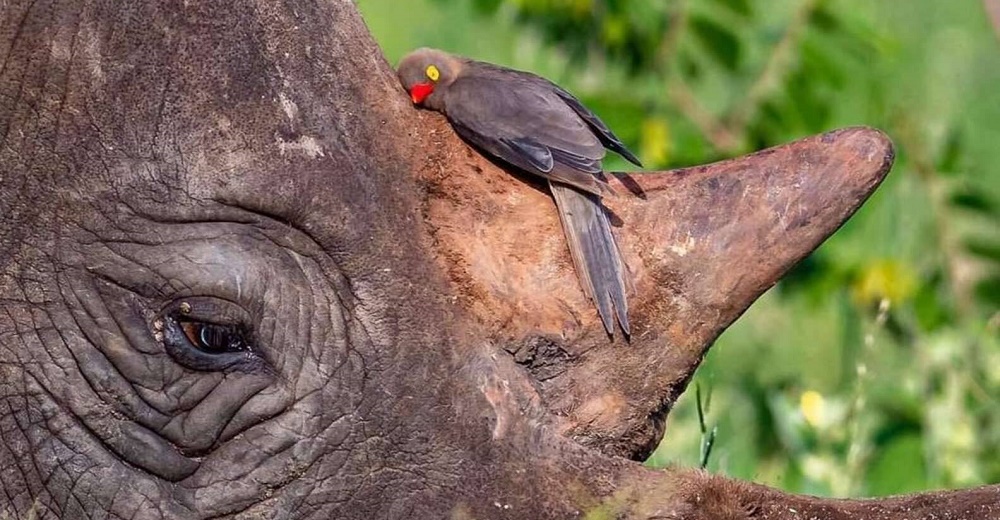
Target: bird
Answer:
pixel 535 126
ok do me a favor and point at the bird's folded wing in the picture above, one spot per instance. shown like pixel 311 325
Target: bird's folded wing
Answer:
pixel 607 137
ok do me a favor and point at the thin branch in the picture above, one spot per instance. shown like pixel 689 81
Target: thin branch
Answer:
pixel 949 243
pixel 725 135
pixel 721 139
pixel 680 95
pixel 777 67
pixel 674 31
pixel 720 136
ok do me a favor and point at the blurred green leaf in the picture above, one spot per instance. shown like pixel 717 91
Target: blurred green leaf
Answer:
pixel 486 6
pixel 929 304
pixel 898 466
pixel 825 20
pixel 718 40
pixel 948 163
pixel 740 7
pixel 973 201
pixel 984 248
pixel 988 291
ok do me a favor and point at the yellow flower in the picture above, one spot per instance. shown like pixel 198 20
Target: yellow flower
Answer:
pixel 889 279
pixel 811 405
pixel 655 141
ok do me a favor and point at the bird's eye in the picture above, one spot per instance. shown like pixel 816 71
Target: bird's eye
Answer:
pixel 433 73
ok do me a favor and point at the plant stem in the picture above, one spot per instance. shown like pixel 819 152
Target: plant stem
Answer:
pixel 778 65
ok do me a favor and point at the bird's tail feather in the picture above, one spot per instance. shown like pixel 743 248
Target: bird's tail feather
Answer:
pixel 596 257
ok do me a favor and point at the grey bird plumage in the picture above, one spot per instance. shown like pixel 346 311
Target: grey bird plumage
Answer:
pixel 536 126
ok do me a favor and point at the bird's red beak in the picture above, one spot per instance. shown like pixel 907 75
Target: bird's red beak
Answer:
pixel 420 91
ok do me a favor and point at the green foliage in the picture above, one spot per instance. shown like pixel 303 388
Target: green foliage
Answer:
pixel 874 367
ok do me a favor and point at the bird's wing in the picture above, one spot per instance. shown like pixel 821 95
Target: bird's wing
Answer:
pixel 607 137
pixel 525 121
pixel 527 125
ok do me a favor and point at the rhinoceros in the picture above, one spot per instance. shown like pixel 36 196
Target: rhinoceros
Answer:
pixel 241 277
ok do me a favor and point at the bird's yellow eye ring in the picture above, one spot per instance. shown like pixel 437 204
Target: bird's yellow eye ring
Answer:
pixel 433 73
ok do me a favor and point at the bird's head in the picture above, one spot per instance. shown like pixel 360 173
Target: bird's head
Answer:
pixel 424 70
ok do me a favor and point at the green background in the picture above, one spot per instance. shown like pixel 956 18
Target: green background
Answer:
pixel 874 367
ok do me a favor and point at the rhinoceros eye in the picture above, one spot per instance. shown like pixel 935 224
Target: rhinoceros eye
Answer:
pixel 209 334
pixel 212 338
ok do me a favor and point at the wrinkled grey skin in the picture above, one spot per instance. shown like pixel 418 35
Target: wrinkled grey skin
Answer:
pixel 144 166
pixel 244 163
